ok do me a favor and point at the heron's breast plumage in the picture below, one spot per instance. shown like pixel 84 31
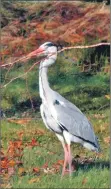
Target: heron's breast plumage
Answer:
pixel 49 120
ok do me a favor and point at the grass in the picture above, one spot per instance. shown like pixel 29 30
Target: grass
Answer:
pixel 85 90
pixel 91 175
pixel 96 178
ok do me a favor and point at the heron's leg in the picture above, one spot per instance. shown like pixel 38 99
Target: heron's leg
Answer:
pixel 60 137
pixel 69 159
pixel 66 157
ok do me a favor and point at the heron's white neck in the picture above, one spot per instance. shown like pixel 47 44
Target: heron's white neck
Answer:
pixel 43 82
pixel 44 87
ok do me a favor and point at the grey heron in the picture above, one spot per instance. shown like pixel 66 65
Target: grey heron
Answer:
pixel 61 116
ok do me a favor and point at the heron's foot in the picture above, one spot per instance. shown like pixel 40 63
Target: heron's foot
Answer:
pixel 72 169
pixel 67 171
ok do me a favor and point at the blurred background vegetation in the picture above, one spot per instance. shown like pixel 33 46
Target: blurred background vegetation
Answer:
pixel 81 76
pixel 83 82
pixel 99 1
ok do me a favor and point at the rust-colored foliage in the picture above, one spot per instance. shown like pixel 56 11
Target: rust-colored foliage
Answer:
pixel 84 181
pixel 20 121
pixel 21 171
pixel 36 170
pixel 108 97
pixel 45 165
pixel 33 180
pixel 60 162
pixel 12 158
pixel 33 143
pixel 64 22
pixel 107 140
pixel 4 163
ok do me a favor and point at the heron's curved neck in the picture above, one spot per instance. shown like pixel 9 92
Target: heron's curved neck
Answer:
pixel 44 87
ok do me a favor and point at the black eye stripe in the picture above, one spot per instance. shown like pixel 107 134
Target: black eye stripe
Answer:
pixel 50 45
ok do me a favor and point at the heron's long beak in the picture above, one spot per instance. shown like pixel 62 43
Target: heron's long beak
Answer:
pixel 35 53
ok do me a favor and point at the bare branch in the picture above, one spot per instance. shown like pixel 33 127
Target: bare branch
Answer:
pixel 84 47
pixel 24 58
pixel 34 54
pixel 22 75
pixel 12 63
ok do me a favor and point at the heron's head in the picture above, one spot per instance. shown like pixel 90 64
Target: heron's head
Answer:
pixel 47 49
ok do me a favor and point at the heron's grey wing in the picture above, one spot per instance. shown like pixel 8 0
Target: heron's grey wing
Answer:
pixel 73 120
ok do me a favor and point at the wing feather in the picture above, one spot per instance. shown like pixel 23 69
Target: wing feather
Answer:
pixel 73 119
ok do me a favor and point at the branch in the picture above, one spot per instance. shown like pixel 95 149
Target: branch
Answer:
pixel 12 63
pixel 84 47
pixel 24 58
pixel 106 105
pixel 34 54
pixel 7 73
pixel 22 75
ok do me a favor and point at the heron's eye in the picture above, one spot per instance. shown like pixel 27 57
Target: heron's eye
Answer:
pixel 59 47
pixel 49 45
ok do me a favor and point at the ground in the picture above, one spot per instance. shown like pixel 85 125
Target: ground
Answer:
pixel 39 163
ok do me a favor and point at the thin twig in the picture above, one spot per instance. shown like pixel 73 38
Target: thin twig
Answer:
pixel 8 72
pixel 83 47
pixel 22 75
pixel 33 54
pixel 24 58
pixel 11 63
pixel 106 105
pixel 29 95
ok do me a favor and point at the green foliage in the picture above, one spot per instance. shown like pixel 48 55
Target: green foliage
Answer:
pixel 82 89
pixel 95 178
pixel 86 90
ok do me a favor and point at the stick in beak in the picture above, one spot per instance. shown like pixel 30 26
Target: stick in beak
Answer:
pixel 36 52
pixel 39 51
